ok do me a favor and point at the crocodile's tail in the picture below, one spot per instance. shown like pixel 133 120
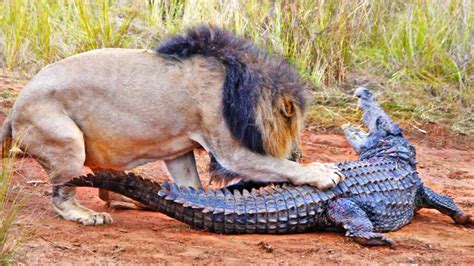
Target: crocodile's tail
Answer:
pixel 276 210
pixel 444 204
pixel 146 191
pixel 130 185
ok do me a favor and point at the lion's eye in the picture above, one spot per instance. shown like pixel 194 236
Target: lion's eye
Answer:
pixel 287 108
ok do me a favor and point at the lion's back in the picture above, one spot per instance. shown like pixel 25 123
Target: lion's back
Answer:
pixel 124 77
pixel 125 86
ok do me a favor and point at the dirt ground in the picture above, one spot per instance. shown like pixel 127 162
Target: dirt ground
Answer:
pixel 446 164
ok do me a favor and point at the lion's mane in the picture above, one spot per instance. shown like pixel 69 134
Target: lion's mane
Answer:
pixel 254 83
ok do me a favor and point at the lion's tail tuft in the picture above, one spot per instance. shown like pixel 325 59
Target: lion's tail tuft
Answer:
pixel 6 137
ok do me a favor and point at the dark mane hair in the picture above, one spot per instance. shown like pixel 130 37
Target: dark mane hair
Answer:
pixel 249 71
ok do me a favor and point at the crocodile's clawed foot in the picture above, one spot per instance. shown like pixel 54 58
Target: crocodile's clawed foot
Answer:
pixel 354 220
pixel 465 219
pixel 372 239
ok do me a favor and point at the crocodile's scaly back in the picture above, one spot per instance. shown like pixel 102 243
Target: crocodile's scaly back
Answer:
pixel 382 191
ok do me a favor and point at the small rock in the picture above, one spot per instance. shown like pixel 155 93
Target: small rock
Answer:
pixel 265 246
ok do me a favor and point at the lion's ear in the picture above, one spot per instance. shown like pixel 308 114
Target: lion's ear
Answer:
pixel 286 106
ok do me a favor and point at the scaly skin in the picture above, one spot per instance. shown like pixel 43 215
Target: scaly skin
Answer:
pixel 381 193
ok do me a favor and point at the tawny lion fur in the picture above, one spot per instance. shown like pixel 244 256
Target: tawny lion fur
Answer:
pixel 115 109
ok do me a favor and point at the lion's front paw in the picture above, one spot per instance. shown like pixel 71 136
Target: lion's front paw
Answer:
pixel 324 176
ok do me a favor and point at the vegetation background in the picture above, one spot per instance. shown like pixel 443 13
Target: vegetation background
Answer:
pixel 417 54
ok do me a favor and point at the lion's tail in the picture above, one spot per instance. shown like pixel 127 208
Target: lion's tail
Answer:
pixel 7 137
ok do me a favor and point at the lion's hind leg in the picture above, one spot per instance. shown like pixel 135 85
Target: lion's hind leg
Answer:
pixel 58 145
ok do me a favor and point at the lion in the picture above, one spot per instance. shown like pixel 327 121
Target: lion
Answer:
pixel 115 109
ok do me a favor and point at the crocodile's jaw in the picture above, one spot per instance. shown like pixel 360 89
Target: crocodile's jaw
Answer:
pixel 356 138
pixel 385 137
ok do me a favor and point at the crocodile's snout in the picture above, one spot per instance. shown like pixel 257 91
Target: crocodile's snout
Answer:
pixel 363 93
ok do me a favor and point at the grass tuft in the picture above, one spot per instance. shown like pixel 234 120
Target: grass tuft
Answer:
pixel 12 200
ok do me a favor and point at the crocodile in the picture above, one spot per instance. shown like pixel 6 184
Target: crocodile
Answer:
pixel 382 192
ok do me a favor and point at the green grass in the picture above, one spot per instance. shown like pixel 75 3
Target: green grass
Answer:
pixel 416 54
pixel 12 200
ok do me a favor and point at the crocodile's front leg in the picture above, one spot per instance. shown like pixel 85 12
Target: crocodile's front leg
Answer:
pixel 346 213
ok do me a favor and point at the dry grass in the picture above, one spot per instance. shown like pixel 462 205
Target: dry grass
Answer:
pixel 12 201
pixel 417 54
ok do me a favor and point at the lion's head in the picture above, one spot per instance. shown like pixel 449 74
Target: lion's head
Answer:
pixel 264 99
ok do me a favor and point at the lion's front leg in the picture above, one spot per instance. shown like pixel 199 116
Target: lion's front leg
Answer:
pixel 263 168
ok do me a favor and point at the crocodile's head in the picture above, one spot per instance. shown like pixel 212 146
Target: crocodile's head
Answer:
pixel 385 137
